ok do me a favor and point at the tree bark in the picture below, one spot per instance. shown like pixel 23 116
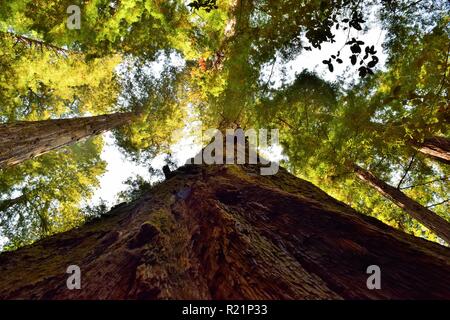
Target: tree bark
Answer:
pixel 24 140
pixel 437 148
pixel 425 216
pixel 226 232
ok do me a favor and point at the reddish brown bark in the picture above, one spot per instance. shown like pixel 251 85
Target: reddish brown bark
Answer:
pixel 425 216
pixel 225 232
pixel 437 148
pixel 23 140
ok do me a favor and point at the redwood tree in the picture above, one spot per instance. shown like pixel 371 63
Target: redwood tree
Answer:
pixel 424 215
pixel 226 232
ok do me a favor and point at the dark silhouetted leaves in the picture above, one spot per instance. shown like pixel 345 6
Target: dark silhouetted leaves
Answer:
pixel 321 32
pixel 330 65
pixel 207 5
pixel 356 21
pixel 373 63
pixel 355 48
pixel 362 72
pixel 370 50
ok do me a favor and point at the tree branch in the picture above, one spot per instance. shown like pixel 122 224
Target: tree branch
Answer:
pixel 425 183
pixel 38 43
pixel 287 123
pixel 406 171
pixel 437 204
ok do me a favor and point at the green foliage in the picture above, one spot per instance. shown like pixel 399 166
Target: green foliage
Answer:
pixel 136 188
pixel 37 85
pixel 97 211
pixel 50 190
pixel 372 123
pixel 161 111
pixel 207 5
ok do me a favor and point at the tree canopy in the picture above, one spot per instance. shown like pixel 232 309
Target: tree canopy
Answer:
pixel 175 61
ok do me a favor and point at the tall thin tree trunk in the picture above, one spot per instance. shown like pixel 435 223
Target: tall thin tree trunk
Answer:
pixel 425 216
pixel 437 148
pixel 226 232
pixel 24 140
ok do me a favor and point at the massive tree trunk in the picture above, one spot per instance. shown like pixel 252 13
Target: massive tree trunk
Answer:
pixel 425 216
pixel 437 148
pixel 23 140
pixel 226 232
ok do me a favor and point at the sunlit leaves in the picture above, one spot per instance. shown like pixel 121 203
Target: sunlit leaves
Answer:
pixel 51 189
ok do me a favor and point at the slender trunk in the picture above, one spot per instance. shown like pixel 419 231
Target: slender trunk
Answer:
pixel 226 232
pixel 425 216
pixel 437 148
pixel 24 140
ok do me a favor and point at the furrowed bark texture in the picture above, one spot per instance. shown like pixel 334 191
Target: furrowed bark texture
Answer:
pixel 226 232
pixel 24 140
pixel 425 216
pixel 437 148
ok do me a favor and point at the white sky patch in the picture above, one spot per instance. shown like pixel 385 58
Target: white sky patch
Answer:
pixel 273 153
pixel 155 67
pixel 117 171
pixel 119 168
pixel 3 241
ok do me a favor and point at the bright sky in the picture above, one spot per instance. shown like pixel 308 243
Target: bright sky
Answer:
pixel 119 168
